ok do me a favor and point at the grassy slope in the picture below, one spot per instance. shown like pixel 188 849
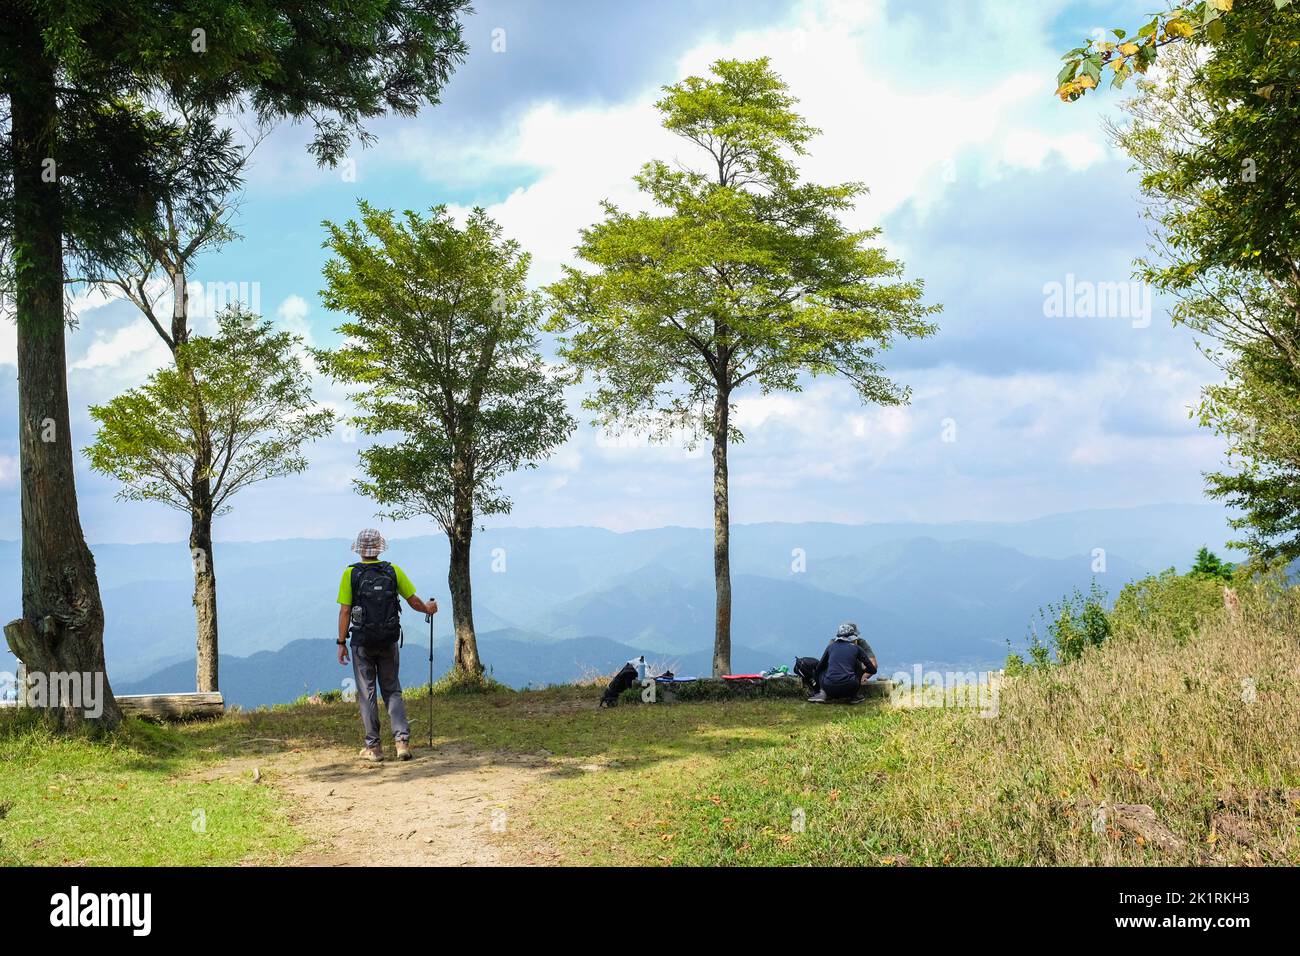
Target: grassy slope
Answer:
pixel 1139 721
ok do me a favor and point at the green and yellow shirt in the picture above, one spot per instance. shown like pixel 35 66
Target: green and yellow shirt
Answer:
pixel 404 586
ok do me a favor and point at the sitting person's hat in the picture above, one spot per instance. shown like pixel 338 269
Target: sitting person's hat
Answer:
pixel 370 543
pixel 846 631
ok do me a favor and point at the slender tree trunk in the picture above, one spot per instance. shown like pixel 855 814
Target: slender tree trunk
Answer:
pixel 62 627
pixel 202 510
pixel 205 599
pixel 458 581
pixel 721 536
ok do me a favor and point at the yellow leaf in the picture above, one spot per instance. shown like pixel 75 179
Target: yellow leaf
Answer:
pixel 1128 49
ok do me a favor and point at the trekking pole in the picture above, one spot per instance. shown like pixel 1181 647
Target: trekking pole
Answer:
pixel 429 618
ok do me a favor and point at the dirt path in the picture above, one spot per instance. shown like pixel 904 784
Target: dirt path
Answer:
pixel 453 808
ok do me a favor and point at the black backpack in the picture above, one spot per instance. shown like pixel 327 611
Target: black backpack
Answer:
pixel 621 682
pixel 806 668
pixel 376 607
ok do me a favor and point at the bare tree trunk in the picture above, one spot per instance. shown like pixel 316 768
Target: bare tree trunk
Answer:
pixel 62 627
pixel 721 536
pixel 205 601
pixel 458 581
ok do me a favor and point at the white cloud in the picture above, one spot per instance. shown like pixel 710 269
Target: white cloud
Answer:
pixel 292 313
pixel 86 301
pixel 905 136
pixel 137 344
pixel 8 341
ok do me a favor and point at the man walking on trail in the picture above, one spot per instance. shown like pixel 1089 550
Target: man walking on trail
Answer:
pixel 370 610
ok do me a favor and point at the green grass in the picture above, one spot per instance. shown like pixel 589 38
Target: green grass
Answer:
pixel 1145 719
pixel 712 783
pixel 129 800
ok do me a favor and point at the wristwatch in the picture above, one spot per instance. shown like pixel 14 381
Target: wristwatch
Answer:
pixel 341 641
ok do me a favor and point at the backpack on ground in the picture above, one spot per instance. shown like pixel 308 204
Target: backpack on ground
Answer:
pixel 806 668
pixel 376 605
pixel 624 679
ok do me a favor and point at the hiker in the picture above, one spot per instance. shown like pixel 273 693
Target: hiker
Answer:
pixel 370 610
pixel 847 663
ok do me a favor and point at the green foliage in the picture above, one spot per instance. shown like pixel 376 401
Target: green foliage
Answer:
pixel 1212 137
pixel 1168 603
pixel 1256 409
pixel 1039 657
pixel 743 273
pixel 333 63
pixel 1209 565
pixel 202 168
pixel 442 346
pixel 243 393
pixel 1127 52
pixel 1074 625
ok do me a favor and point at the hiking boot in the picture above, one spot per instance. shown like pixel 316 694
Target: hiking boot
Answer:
pixel 371 754
pixel 403 750
pixel 818 698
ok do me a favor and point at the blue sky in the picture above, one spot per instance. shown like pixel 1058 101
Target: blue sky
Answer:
pixel 985 185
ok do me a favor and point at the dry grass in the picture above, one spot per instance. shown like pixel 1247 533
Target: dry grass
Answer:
pixel 1204 732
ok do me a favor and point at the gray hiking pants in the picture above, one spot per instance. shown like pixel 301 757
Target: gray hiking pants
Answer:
pixel 379 666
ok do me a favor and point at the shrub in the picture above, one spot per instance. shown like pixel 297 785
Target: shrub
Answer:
pixel 1076 624
pixel 1167 602
pixel 457 681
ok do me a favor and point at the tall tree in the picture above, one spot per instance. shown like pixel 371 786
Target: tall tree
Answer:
pixel 82 164
pixel 442 346
pixel 235 409
pixel 744 276
pixel 150 265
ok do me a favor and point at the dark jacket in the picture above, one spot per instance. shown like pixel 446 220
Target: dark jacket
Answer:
pixel 844 662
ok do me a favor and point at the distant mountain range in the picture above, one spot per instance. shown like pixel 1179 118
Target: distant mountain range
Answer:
pixel 551 602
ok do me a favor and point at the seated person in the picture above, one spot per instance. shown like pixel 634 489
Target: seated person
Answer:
pixel 847 663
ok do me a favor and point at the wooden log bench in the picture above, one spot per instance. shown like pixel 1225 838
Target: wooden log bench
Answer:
pixel 173 706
